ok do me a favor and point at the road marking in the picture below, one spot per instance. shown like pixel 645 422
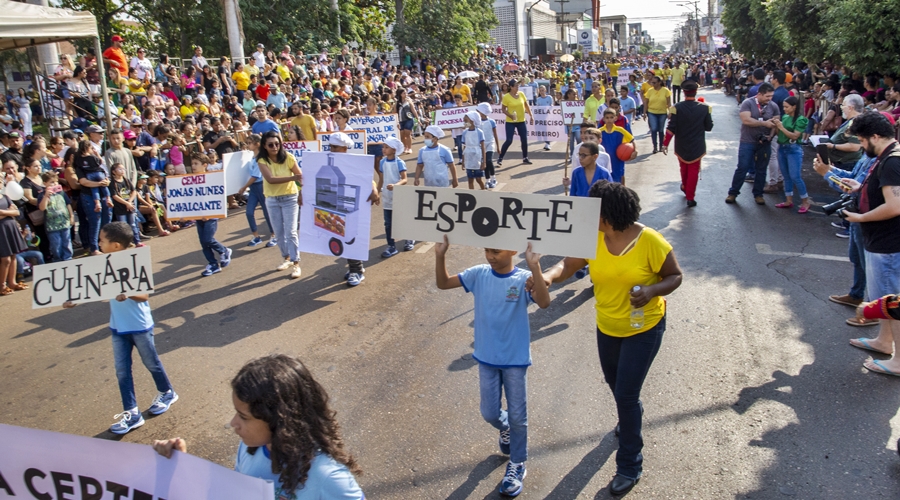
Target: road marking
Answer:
pixel 764 249
pixel 425 247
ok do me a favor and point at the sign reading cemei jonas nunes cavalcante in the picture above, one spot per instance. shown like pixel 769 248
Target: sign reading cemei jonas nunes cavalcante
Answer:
pixel 554 225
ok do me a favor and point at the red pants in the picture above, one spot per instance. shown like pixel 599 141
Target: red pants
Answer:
pixel 690 172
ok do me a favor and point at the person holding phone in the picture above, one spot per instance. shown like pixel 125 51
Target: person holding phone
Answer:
pixel 856 251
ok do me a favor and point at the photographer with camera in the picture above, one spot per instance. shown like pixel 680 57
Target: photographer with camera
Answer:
pixel 758 115
pixel 834 177
pixel 879 218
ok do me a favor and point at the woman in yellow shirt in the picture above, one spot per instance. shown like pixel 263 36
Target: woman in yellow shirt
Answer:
pixel 658 99
pixel 515 106
pixel 281 176
pixel 633 269
pixel 241 81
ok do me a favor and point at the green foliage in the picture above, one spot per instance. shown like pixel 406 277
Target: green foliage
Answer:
pixel 796 25
pixel 863 33
pixel 645 49
pixel 751 29
pixel 578 55
pixel 445 29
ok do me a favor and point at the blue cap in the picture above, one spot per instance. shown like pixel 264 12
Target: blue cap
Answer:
pixel 78 131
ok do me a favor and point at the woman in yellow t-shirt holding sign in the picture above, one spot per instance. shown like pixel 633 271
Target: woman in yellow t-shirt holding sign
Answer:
pixel 515 106
pixel 633 270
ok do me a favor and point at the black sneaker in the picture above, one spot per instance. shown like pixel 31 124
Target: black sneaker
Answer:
pixel 526 161
pixel 499 161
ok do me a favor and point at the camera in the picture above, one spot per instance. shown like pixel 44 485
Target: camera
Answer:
pixel 846 203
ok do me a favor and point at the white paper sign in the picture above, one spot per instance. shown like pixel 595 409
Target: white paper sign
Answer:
pixel 528 90
pixel 554 225
pixel 572 110
pixel 44 464
pixel 378 128
pixel 358 136
pixel 815 140
pixel 336 217
pixel 548 124
pixel 196 196
pixel 297 148
pixel 237 170
pixel 91 279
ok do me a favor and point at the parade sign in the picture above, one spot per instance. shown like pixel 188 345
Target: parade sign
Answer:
pixel 43 464
pixel 336 215
pixel 92 279
pixel 196 196
pixel 554 225
pixel 358 136
pixel 237 170
pixel 572 110
pixel 378 128
pixel 548 122
pixel 297 148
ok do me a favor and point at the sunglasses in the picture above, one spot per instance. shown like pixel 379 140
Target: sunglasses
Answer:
pixel 273 145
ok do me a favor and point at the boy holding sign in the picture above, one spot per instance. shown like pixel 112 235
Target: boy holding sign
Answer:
pixel 206 228
pixel 502 344
pixel 132 326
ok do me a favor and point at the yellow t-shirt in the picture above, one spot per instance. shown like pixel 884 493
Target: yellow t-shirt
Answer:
pixel 462 90
pixel 591 105
pixel 613 69
pixel 514 106
pixel 241 80
pixel 656 100
pixel 677 75
pixel 615 276
pixel 283 72
pixel 307 125
pixel 668 73
pixel 644 88
pixel 280 170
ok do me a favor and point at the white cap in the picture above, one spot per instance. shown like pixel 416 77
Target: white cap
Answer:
pixel 340 139
pixel 394 143
pixel 475 117
pixel 484 107
pixel 435 131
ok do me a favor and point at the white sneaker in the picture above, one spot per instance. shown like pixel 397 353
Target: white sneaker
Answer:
pixel 296 272
pixel 284 266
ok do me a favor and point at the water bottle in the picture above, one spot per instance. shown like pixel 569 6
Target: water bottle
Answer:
pixel 637 313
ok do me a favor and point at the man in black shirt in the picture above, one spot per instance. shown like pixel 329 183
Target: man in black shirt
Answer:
pixel 15 149
pixel 879 219
pixel 482 90
pixel 219 139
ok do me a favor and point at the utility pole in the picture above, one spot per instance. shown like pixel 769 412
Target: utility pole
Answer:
pixel 337 16
pixel 710 44
pixel 234 29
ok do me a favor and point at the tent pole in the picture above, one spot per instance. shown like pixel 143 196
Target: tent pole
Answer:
pixel 107 106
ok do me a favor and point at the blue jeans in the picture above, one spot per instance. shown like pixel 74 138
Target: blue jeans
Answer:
pixel 513 382
pixel 101 192
pixel 255 197
pixel 574 132
pixel 755 157
pixel 35 256
pixel 882 274
pixel 95 220
pixel 388 223
pixel 625 362
pixel 83 226
pixel 60 244
pixel 122 347
pixel 206 230
pixel 522 130
pixel 283 212
pixel 858 258
pixel 130 219
pixel 458 142
pixel 657 124
pixel 790 159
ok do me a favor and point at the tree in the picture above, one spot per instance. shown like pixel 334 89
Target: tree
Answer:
pixel 797 27
pixel 751 29
pixel 444 29
pixel 862 34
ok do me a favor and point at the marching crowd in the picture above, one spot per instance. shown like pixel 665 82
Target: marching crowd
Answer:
pixel 100 191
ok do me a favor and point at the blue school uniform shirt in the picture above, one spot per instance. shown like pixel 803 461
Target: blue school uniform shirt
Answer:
pixel 543 101
pixel 579 186
pixel 264 126
pixel 129 317
pixel 254 172
pixel 327 479
pixel 502 332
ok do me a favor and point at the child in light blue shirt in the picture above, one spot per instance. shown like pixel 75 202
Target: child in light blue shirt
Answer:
pixel 502 344
pixel 391 172
pixel 132 326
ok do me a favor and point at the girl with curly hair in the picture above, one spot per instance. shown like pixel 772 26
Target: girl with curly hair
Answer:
pixel 289 434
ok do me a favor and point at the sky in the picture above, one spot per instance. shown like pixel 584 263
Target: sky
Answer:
pixel 659 17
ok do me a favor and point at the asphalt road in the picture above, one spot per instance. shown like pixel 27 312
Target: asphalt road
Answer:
pixel 755 393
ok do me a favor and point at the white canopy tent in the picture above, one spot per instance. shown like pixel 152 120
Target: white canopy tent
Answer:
pixel 23 25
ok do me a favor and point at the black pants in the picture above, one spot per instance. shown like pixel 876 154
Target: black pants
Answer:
pixel 676 89
pixel 489 164
pixel 522 129
pixel 356 266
